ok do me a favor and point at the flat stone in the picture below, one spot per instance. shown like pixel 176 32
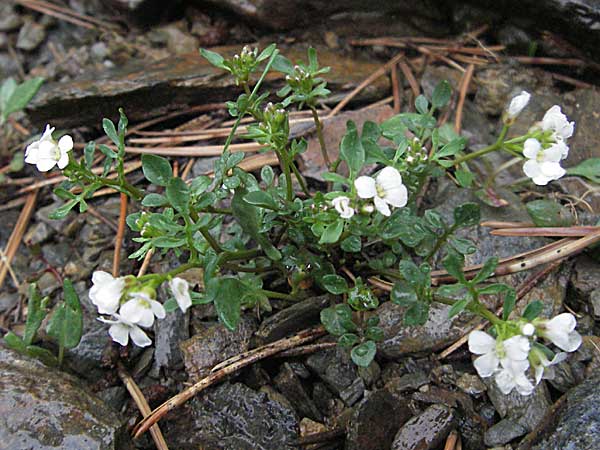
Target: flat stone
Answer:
pixel 233 417
pixel 292 319
pixel 595 303
pixel 31 35
pixel 585 276
pixel 427 430
pixel 9 19
pixel 172 84
pixel 214 345
pixel 375 421
pixel 470 384
pixel 399 339
pixel 43 408
pixel 334 367
pixel 169 333
pixel 503 432
pixel 577 424
pixel 288 383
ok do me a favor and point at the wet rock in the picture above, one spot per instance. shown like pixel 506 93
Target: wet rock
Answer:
pixel 585 111
pixel 86 358
pixel 169 333
pixel 406 383
pixel 312 161
pixel 578 423
pixel 585 278
pixel 31 35
pixel 9 19
pixel 43 408
pixel 427 430
pixel 471 428
pixel 400 339
pixel 233 417
pixel 595 303
pixel 503 432
pixel 527 411
pixel 174 83
pixel 354 392
pixel 334 367
pixel 288 383
pixel 375 421
pixel 214 345
pixel 48 283
pixel 37 234
pixel 470 384
pixel 297 317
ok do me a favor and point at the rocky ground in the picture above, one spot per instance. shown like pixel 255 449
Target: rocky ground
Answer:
pixel 413 396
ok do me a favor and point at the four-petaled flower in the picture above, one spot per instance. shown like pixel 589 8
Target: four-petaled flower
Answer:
pixel 181 291
pixel 385 189
pixel 121 329
pixel 517 104
pixel 543 164
pixel 560 330
pixel 141 309
pixel 106 292
pixel 554 120
pixel 47 153
pixel 342 206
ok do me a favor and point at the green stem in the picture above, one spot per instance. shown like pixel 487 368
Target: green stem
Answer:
pixel 211 240
pixel 236 256
pixel 320 136
pixel 300 179
pixel 285 167
pixel 490 148
pixel 280 295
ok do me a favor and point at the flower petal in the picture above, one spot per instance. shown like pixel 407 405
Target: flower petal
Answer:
pixel 481 342
pixel 564 322
pixel 63 161
pixel 389 178
pixel 138 337
pixel 486 365
pixel 365 187
pixel 65 143
pixel 45 164
pixel 517 348
pixel 119 333
pixel 397 197
pixel 532 168
pixel 382 206
pixel 157 309
pixel 531 148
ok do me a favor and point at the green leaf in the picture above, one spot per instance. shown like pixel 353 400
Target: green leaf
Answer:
pixel 421 104
pixel 590 169
pixel 465 177
pixel 548 213
pixel 267 175
pixel 108 152
pixel 62 211
pixel 486 271
pixel 214 58
pixel 348 340
pixel 413 274
pixel 454 263
pixel 313 63
pixel 109 128
pixel 282 64
pixel 13 341
pixel 363 354
pixel 462 245
pixel 262 199
pixel 36 311
pixel 157 169
pixel 178 194
pixel 249 218
pixel 334 284
pixel 88 154
pixel 66 322
pixel 352 244
pixel 374 333
pixel 458 307
pixel 154 200
pixel 22 95
pixel 226 293
pixel 533 310
pixel 510 299
pixel 337 319
pixel 403 294
pixel 441 94
pixel 200 185
pixel 351 149
pixel 467 215
pixel 335 178
pixel 6 91
pixel 417 314
pixel 332 232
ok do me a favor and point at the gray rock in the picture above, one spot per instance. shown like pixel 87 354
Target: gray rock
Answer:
pixel 375 421
pixel 288 383
pixel 595 303
pixel 169 333
pixel 354 392
pixel 9 19
pixel 214 345
pixel 37 234
pixel 334 367
pixel 31 35
pixel 408 382
pixel 86 358
pixel 233 417
pixel 42 408
pixel 177 41
pixel 8 301
pixel 470 384
pixel 427 430
pixel 527 411
pixel 585 277
pixel 297 317
pixel 577 426
pixel 48 283
pixel 400 339
pixel 503 432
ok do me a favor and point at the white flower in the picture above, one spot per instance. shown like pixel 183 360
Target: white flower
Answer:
pixel 543 165
pixel 386 189
pixel 492 352
pixel 542 365
pixel 141 309
pixel 517 104
pixel 554 120
pixel 512 375
pixel 342 206
pixel 106 292
pixel 528 329
pixel 181 292
pixel 561 331
pixel 47 153
pixel 121 329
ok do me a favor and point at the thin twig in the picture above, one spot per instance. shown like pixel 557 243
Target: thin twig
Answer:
pixel 451 441
pixel 546 231
pixel 410 77
pixel 396 89
pixel 215 377
pixel 142 404
pixel 464 88
pixel 120 234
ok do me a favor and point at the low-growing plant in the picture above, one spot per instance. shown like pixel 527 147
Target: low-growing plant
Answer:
pixel 257 239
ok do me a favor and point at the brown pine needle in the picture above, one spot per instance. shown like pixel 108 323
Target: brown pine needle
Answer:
pixel 119 237
pixel 464 88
